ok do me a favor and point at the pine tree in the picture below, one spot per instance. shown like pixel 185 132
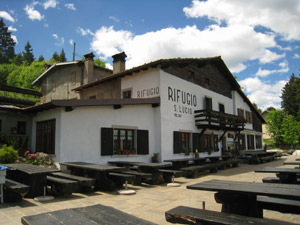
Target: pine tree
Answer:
pixel 55 57
pixel 291 97
pixel 62 56
pixel 41 58
pixel 7 44
pixel 27 54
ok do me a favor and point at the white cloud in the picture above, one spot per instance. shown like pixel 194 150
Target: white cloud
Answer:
pixel 236 44
pixel 263 94
pixel 10 28
pixel 70 6
pixel 115 19
pixel 7 16
pixel 284 68
pixel 296 56
pixel 71 42
pixel 59 41
pixel 84 32
pixel 32 13
pixel 50 4
pixel 280 16
pixel 14 37
pixel 269 57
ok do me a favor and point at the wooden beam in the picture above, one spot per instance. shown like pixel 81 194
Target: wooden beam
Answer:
pixel 16 101
pixel 20 90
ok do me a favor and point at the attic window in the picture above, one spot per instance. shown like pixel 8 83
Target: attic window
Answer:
pixel 206 82
pixel 191 75
pixel 127 94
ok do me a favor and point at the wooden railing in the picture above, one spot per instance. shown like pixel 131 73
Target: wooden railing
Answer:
pixel 217 120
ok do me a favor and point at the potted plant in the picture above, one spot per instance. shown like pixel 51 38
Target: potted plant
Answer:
pixel 154 158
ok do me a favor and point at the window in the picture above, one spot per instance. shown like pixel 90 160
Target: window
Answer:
pixel 250 142
pixel 248 117
pixel 241 113
pixel 206 82
pixel 208 103
pixel 21 127
pixel 182 142
pixel 127 94
pixel 242 142
pixel 258 141
pixel 221 108
pixel 124 142
pixel 73 78
pixel 45 137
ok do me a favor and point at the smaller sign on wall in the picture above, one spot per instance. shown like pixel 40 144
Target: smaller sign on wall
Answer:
pixel 148 92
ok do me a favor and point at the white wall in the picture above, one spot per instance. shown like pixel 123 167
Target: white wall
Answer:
pixel 81 137
pixel 143 85
pixel 178 115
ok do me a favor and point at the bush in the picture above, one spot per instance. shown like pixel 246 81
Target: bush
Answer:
pixel 8 154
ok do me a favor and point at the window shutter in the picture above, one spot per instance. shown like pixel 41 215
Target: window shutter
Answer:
pixel 202 144
pixel 208 103
pixel 107 143
pixel 176 142
pixel 196 142
pixel 142 142
pixel 250 117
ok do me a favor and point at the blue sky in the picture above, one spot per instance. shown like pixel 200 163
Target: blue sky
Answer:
pixel 258 40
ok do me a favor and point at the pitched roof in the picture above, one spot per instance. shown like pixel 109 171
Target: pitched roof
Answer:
pixel 54 66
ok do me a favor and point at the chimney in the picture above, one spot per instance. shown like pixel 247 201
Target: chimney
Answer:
pixel 119 62
pixel 88 67
pixel 46 66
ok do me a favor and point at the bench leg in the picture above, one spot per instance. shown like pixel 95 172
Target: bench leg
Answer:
pixel 245 205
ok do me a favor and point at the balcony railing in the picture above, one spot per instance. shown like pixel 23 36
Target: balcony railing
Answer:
pixel 220 121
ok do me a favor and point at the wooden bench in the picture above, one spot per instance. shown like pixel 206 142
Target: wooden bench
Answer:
pixel 14 191
pixel 275 180
pixel 61 186
pixel 169 174
pixel 139 176
pixel 86 184
pixel 278 204
pixel 188 215
pixel 193 171
pixel 120 179
pixel 267 158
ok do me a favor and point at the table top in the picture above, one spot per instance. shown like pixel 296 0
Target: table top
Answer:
pixel 90 215
pixel 92 166
pixel 179 160
pixel 31 169
pixel 267 189
pixel 278 170
pixel 292 163
pixel 253 152
pixel 141 164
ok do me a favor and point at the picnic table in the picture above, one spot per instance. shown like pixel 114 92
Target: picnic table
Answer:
pixel 90 215
pixel 257 156
pixel 297 163
pixel 153 168
pixel 33 176
pixel 97 171
pixel 285 175
pixel 241 197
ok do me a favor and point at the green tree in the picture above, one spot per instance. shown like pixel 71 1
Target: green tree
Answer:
pixel 27 54
pixel 291 97
pixel 275 120
pixel 98 62
pixel 7 44
pixel 5 70
pixel 291 131
pixel 62 56
pixel 55 57
pixel 17 60
pixel 41 58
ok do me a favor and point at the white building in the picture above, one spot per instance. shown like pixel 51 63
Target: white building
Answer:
pixel 171 107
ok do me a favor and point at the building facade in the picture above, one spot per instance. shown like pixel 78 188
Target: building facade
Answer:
pixel 173 107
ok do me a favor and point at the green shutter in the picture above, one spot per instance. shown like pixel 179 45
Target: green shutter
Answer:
pixel 142 142
pixel 107 143
pixel 177 142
